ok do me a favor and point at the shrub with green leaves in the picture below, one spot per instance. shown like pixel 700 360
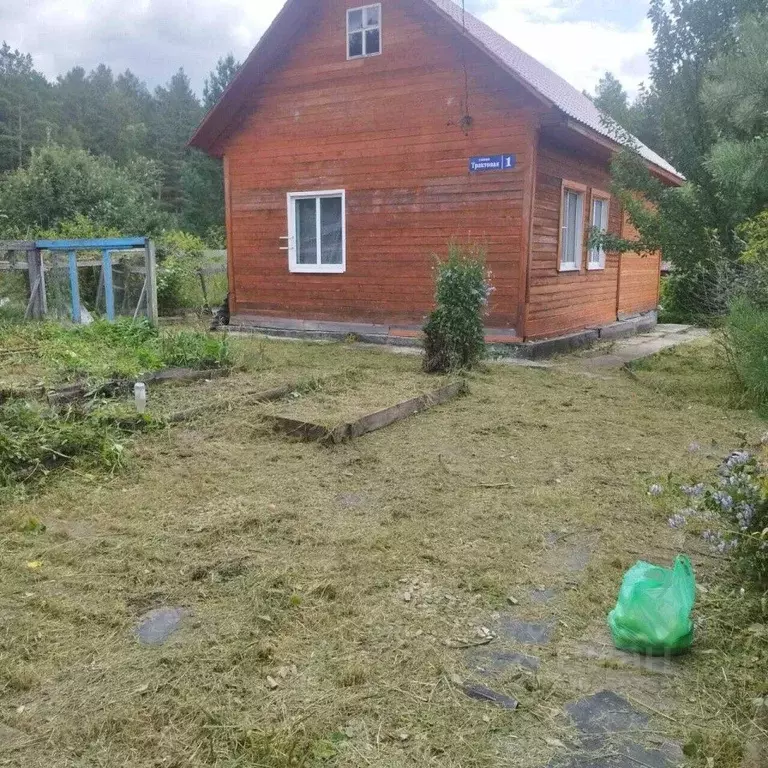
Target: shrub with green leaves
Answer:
pixel 454 333
pixel 746 337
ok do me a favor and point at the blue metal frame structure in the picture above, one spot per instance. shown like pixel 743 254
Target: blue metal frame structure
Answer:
pixel 106 246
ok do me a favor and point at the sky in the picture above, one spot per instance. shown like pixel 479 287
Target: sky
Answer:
pixel 579 39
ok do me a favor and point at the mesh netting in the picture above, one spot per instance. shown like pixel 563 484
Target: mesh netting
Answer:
pixel 128 284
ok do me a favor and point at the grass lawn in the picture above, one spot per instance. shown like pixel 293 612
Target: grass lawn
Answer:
pixel 330 593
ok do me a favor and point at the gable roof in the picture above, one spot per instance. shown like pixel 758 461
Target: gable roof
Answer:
pixel 545 83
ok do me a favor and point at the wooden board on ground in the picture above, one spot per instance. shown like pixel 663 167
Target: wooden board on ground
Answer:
pixel 308 431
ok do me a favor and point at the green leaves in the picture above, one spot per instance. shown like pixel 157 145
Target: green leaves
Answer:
pixel 455 336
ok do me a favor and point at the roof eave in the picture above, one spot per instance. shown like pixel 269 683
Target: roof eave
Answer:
pixel 616 146
pixel 208 133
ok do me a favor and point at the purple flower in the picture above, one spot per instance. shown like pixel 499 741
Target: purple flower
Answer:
pixel 694 448
pixel 738 459
pixel 745 514
pixel 656 490
pixel 677 521
pixel 723 500
pixel 694 491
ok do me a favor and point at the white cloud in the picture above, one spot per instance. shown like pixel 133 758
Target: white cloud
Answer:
pixel 155 37
pixel 579 51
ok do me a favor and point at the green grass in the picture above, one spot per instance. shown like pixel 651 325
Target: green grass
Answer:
pixel 698 372
pixel 53 353
pixel 293 561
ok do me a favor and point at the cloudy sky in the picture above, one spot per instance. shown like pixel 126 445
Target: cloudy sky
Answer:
pixel 580 39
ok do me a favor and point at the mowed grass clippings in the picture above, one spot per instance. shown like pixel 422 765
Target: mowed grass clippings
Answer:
pixel 327 588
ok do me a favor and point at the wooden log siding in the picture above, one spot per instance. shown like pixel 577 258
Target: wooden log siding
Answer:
pixel 639 285
pixel 561 302
pixel 386 130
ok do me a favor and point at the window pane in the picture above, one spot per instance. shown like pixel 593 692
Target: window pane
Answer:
pixel 572 227
pixel 330 223
pixel 372 16
pixel 356 44
pixel 372 42
pixel 306 231
pixel 355 20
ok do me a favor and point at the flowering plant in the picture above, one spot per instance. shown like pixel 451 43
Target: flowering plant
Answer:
pixel 733 512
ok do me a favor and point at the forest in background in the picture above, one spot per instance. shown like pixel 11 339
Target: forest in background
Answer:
pixel 113 136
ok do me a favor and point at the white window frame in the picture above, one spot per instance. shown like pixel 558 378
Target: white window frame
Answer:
pixel 293 263
pixel 581 191
pixel 380 26
pixel 596 256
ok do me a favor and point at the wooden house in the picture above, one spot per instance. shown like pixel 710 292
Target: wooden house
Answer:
pixel 358 141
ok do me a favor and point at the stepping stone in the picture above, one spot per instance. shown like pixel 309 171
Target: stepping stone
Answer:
pixel 628 756
pixel 351 500
pixel 481 693
pixel 495 663
pixel 155 627
pixel 609 727
pixel 571 553
pixel 518 631
pixel 606 713
pixel 657 665
pixel 543 596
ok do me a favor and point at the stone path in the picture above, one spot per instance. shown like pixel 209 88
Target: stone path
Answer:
pixel 156 626
pixel 625 351
pixel 611 732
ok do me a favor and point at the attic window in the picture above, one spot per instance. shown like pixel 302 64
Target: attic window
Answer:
pixel 364 31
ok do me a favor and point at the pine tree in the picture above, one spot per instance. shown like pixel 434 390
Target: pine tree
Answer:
pixel 26 107
pixel 177 113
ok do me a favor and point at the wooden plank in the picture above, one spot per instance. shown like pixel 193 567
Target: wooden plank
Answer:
pixel 17 245
pixel 305 430
pixel 38 301
pixel 387 416
pixel 150 263
pixel 310 432
pixel 184 374
pixel 252 397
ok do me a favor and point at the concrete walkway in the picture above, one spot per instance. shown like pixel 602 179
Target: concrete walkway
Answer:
pixel 644 345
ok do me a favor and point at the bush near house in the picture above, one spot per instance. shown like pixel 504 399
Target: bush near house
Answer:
pixel 454 332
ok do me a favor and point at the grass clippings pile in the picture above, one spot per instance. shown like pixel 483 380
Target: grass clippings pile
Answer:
pixel 334 595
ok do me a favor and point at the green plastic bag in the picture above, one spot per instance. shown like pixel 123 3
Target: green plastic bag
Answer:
pixel 653 615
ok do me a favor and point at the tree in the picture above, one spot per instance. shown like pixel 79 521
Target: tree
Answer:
pixel 26 107
pixel 61 184
pixel 735 98
pixel 613 100
pixel 202 177
pixel 216 83
pixel 176 115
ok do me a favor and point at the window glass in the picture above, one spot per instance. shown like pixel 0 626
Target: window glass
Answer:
pixel 356 44
pixel 372 42
pixel 372 16
pixel 364 31
pixel 355 20
pixel 571 228
pixel 331 229
pixel 306 231
pixel 599 221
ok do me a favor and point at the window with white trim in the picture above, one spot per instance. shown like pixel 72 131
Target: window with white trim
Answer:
pixel 600 209
pixel 317 231
pixel 364 31
pixel 572 233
